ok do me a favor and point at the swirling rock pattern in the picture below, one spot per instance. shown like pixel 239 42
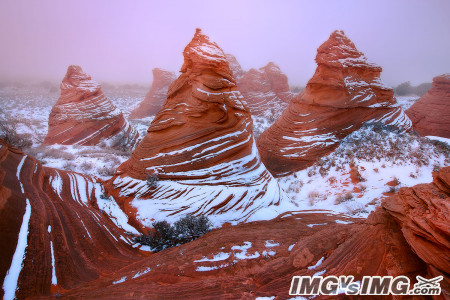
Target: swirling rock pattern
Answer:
pixel 199 149
pixel 53 235
pixel 68 247
pixel 422 212
pixel 84 116
pixel 156 96
pixel 430 115
pixel 344 93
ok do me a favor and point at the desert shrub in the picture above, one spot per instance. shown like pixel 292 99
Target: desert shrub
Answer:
pixel 436 167
pixel 190 227
pixel 152 180
pixel 86 166
pixel 106 171
pixel 8 132
pixel 343 198
pixel 59 153
pixel 362 187
pixel 359 209
pixel 393 189
pixel 184 230
pixel 396 181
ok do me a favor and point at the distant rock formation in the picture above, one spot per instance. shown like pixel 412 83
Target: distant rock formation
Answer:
pixel 344 93
pixel 235 67
pixel 430 115
pixel 199 155
pixel 156 96
pixel 55 233
pixel 84 116
pixel 266 91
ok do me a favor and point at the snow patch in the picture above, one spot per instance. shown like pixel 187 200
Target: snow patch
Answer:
pixel 10 283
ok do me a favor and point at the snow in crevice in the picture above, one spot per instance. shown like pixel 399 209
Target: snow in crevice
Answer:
pixel 10 283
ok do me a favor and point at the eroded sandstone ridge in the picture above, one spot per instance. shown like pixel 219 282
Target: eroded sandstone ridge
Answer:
pixel 199 155
pixel 60 237
pixel 84 116
pixel 344 93
pixel 156 96
pixel 266 90
pixel 422 212
pixel 407 236
pixel 55 232
pixel 430 115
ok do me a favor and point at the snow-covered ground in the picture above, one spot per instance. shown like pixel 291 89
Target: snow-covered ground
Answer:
pixel 368 165
pixel 28 110
pixel 406 101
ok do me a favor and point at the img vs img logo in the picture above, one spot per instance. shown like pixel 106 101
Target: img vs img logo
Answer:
pixel 369 285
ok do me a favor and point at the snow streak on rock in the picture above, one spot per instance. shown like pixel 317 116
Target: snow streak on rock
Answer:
pixel 344 93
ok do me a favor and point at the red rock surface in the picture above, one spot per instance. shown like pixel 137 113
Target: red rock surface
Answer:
pixel 266 90
pixel 92 258
pixel 156 96
pixel 344 93
pixel 422 212
pixel 235 67
pixel 430 115
pixel 84 116
pixel 260 258
pixel 68 239
pixel 201 148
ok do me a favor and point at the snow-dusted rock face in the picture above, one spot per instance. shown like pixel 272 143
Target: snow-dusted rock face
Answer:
pixel 55 232
pixel 199 153
pixel 344 93
pixel 156 96
pixel 235 67
pixel 84 116
pixel 430 115
pixel 265 90
pixel 422 212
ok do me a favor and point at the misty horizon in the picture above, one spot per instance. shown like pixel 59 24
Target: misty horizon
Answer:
pixel 121 42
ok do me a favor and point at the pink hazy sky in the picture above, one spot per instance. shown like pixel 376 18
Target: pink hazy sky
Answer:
pixel 121 41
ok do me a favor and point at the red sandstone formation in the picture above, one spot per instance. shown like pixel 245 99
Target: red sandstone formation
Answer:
pixel 156 96
pixel 84 116
pixel 408 237
pixel 344 93
pixel 51 225
pixel 199 155
pixel 266 91
pixel 423 215
pixel 235 67
pixel 53 235
pixel 430 115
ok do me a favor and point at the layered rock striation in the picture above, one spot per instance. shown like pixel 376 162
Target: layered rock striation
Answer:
pixel 430 115
pixel 199 155
pixel 55 232
pixel 344 93
pixel 84 116
pixel 156 96
pixel 266 91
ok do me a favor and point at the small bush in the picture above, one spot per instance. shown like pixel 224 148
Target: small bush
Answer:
pixel 106 171
pixel 343 198
pixel 184 230
pixel 152 180
pixel 8 132
pixel 313 196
